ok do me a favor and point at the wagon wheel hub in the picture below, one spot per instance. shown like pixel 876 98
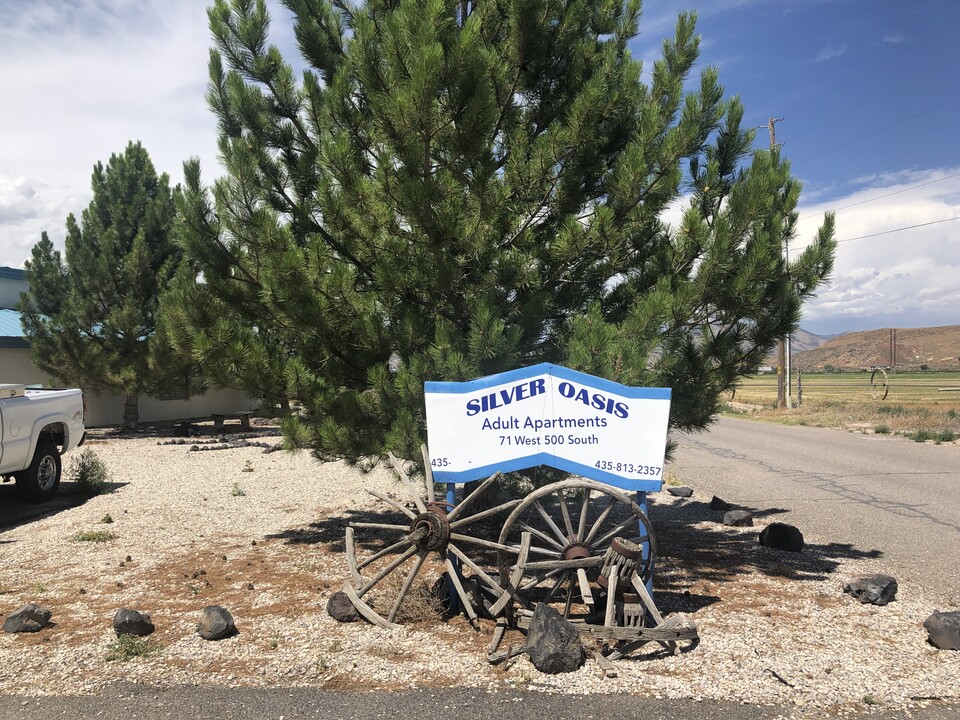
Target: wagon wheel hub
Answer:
pixel 576 551
pixel 430 530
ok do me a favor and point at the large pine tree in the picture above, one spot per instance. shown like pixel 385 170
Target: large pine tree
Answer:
pixel 91 321
pixel 456 188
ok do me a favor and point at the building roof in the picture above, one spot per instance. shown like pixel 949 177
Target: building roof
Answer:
pixel 11 331
pixel 9 273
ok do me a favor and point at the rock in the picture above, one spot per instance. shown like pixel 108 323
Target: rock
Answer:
pixel 718 504
pixel 781 536
pixel 738 518
pixel 680 491
pixel 29 618
pixel 553 643
pixel 131 622
pixel 341 609
pixel 216 623
pixel 875 589
pixel 943 629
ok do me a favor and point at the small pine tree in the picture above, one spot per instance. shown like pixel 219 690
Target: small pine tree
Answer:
pixel 90 318
pixel 454 189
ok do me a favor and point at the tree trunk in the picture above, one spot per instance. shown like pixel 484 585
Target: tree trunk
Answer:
pixel 131 411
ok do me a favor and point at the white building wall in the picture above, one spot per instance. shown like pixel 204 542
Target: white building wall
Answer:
pixel 107 409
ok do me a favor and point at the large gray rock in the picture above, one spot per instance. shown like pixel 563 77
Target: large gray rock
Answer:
pixel 29 618
pixel 718 504
pixel 132 622
pixel 553 643
pixel 873 589
pixel 216 623
pixel 943 629
pixel 781 536
pixel 680 491
pixel 738 518
pixel 341 609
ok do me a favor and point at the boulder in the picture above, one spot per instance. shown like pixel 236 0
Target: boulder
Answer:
pixel 781 536
pixel 131 622
pixel 874 589
pixel 680 491
pixel 216 623
pixel 29 618
pixel 718 504
pixel 553 643
pixel 738 518
pixel 341 609
pixel 943 629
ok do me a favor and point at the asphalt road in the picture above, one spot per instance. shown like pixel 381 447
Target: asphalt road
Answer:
pixel 885 496
pixel 135 702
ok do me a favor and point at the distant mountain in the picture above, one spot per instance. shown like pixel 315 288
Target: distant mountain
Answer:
pixel 802 340
pixel 936 347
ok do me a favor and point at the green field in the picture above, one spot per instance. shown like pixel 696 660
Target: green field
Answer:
pixel 906 403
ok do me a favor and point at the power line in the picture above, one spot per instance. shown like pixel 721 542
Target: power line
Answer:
pixel 908 227
pixel 881 197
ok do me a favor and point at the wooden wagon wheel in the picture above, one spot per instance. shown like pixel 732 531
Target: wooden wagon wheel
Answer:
pixel 571 524
pixel 425 545
pixel 878 385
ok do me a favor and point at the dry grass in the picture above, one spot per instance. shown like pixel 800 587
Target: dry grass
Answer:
pixel 913 406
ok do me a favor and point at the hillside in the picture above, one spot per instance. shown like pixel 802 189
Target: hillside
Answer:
pixel 936 347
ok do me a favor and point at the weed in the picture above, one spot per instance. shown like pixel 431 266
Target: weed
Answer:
pixel 274 644
pixel 919 436
pixel 891 410
pixel 945 436
pixel 237 491
pixel 882 430
pixel 90 474
pixel 127 647
pixel 247 467
pixel 322 665
pixel 336 646
pixel 952 414
pixel 106 519
pixel 869 700
pixel 40 588
pixel 93 536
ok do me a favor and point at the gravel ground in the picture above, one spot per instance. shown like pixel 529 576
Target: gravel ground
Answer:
pixel 262 535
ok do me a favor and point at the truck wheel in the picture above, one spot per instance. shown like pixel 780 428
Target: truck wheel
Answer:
pixel 39 481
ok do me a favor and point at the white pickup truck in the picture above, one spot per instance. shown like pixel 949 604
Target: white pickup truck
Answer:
pixel 36 427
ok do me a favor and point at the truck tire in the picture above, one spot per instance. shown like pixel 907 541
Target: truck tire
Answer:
pixel 40 480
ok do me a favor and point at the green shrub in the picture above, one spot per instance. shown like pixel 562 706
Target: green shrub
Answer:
pixel 945 436
pixel 237 491
pixel 127 647
pixel 90 474
pixel 920 436
pixel 882 430
pixel 93 536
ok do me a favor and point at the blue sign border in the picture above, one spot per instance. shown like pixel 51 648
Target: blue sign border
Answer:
pixel 447 476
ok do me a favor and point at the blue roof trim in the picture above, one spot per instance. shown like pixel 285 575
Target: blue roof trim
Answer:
pixel 12 343
pixel 546 369
pixel 9 273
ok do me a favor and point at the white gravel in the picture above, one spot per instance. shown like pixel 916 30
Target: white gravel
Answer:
pixel 266 543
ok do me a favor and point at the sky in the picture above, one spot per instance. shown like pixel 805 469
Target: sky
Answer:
pixel 867 91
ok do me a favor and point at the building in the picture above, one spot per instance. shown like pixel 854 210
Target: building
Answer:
pixel 107 408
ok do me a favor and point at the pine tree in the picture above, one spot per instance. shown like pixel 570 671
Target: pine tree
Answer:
pixel 453 189
pixel 91 319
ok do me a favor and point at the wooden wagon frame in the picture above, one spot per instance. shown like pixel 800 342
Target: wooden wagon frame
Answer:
pixel 580 545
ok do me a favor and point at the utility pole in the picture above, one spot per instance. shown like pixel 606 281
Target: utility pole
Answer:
pixel 783 348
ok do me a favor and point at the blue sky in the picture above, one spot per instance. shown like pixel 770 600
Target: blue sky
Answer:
pixel 867 90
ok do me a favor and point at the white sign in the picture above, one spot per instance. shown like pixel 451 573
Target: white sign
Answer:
pixel 548 415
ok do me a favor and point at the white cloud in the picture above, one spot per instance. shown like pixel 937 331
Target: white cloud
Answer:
pixel 830 52
pixel 895 38
pixel 900 279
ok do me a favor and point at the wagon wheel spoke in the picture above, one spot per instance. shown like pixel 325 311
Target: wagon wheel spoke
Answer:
pixel 550 523
pixel 428 474
pixel 565 512
pixel 393 503
pixel 421 557
pixel 546 538
pixel 599 521
pixel 583 514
